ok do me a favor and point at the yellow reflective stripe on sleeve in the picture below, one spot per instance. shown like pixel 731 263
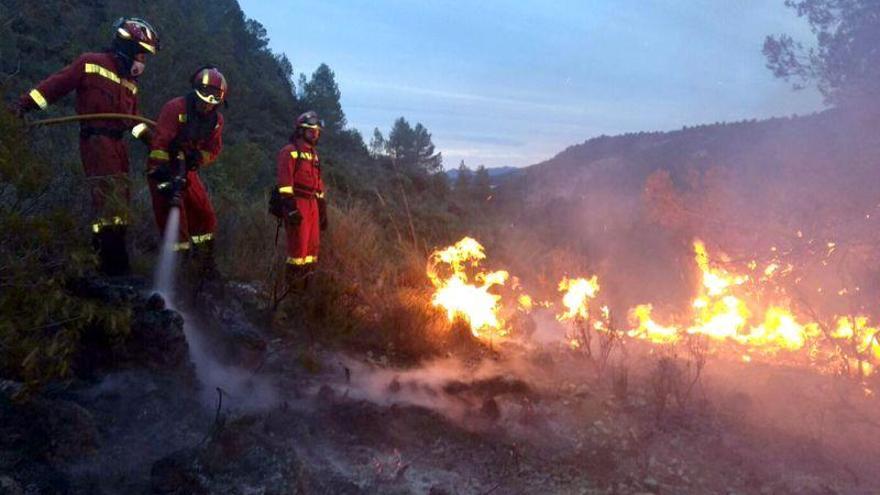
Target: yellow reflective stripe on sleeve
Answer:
pixel 181 117
pixel 302 261
pixel 101 71
pixel 198 239
pixel 100 223
pixel 38 99
pixel 109 74
pixel 130 86
pixel 206 157
pixel 286 189
pixel 160 155
pixel 305 155
pixel 180 246
pixel 137 130
pixel 319 194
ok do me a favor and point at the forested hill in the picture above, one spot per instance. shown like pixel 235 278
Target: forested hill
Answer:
pixel 632 204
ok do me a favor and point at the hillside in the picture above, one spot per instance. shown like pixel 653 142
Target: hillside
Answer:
pixel 632 204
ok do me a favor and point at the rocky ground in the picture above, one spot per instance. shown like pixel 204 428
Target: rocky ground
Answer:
pixel 240 415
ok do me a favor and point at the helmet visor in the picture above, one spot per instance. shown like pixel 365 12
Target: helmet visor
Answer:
pixel 210 94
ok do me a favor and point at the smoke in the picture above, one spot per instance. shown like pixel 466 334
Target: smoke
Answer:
pixel 243 389
pixel 164 279
pixel 450 386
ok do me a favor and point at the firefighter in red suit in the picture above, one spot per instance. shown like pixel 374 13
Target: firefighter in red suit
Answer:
pixel 188 137
pixel 105 82
pixel 302 191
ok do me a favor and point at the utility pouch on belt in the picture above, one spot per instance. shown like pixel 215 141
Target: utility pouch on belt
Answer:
pixel 276 203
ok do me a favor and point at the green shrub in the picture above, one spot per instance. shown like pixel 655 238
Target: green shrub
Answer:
pixel 42 321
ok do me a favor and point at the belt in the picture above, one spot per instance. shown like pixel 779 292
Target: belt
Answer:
pixel 305 193
pixel 87 132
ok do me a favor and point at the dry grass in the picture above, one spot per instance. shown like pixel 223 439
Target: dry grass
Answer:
pixel 370 292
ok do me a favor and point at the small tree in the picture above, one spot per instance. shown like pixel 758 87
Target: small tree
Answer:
pixel 464 178
pixel 378 145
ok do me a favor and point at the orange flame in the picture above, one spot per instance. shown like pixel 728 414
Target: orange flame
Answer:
pixel 720 314
pixel 458 296
pixel 578 292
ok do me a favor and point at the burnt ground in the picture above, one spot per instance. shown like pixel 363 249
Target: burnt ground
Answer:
pixel 520 421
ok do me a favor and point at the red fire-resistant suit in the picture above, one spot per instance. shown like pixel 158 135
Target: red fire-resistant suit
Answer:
pixel 181 132
pixel 104 153
pixel 299 177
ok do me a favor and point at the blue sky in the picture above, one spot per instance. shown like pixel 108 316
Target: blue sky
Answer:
pixel 515 82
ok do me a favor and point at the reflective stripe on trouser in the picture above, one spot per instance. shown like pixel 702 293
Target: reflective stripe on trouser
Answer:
pixel 303 240
pixel 308 260
pixel 197 219
pixel 102 223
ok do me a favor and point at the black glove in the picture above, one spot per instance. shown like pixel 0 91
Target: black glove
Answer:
pixel 322 213
pixel 292 215
pixel 160 174
pixel 193 160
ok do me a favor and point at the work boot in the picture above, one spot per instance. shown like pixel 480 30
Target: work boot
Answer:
pixel 295 278
pixel 112 251
pixel 203 258
pixel 202 273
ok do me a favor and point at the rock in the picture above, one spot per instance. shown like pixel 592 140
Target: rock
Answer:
pixel 155 302
pixel 30 442
pixel 9 486
pixel 157 340
pixel 114 291
pixel 177 474
pixel 490 409
pixel 326 395
pixel 70 429
pixel 439 490
pixel 247 347
pixel 394 386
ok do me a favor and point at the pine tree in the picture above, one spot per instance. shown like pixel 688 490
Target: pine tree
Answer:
pixel 413 149
pixel 321 94
pixel 482 187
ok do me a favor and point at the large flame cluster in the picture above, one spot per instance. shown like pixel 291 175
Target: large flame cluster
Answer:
pixel 721 313
pixel 463 290
pixel 721 310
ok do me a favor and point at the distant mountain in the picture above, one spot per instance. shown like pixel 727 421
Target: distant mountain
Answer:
pixel 495 173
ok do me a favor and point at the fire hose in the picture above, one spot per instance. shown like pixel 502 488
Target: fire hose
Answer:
pixel 92 116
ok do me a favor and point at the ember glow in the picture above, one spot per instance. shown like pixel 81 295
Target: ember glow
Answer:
pixel 462 289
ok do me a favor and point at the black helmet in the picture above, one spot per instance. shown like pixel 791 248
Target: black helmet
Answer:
pixel 209 85
pixel 133 35
pixel 309 120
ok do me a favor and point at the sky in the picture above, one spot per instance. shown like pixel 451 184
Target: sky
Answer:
pixel 514 82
